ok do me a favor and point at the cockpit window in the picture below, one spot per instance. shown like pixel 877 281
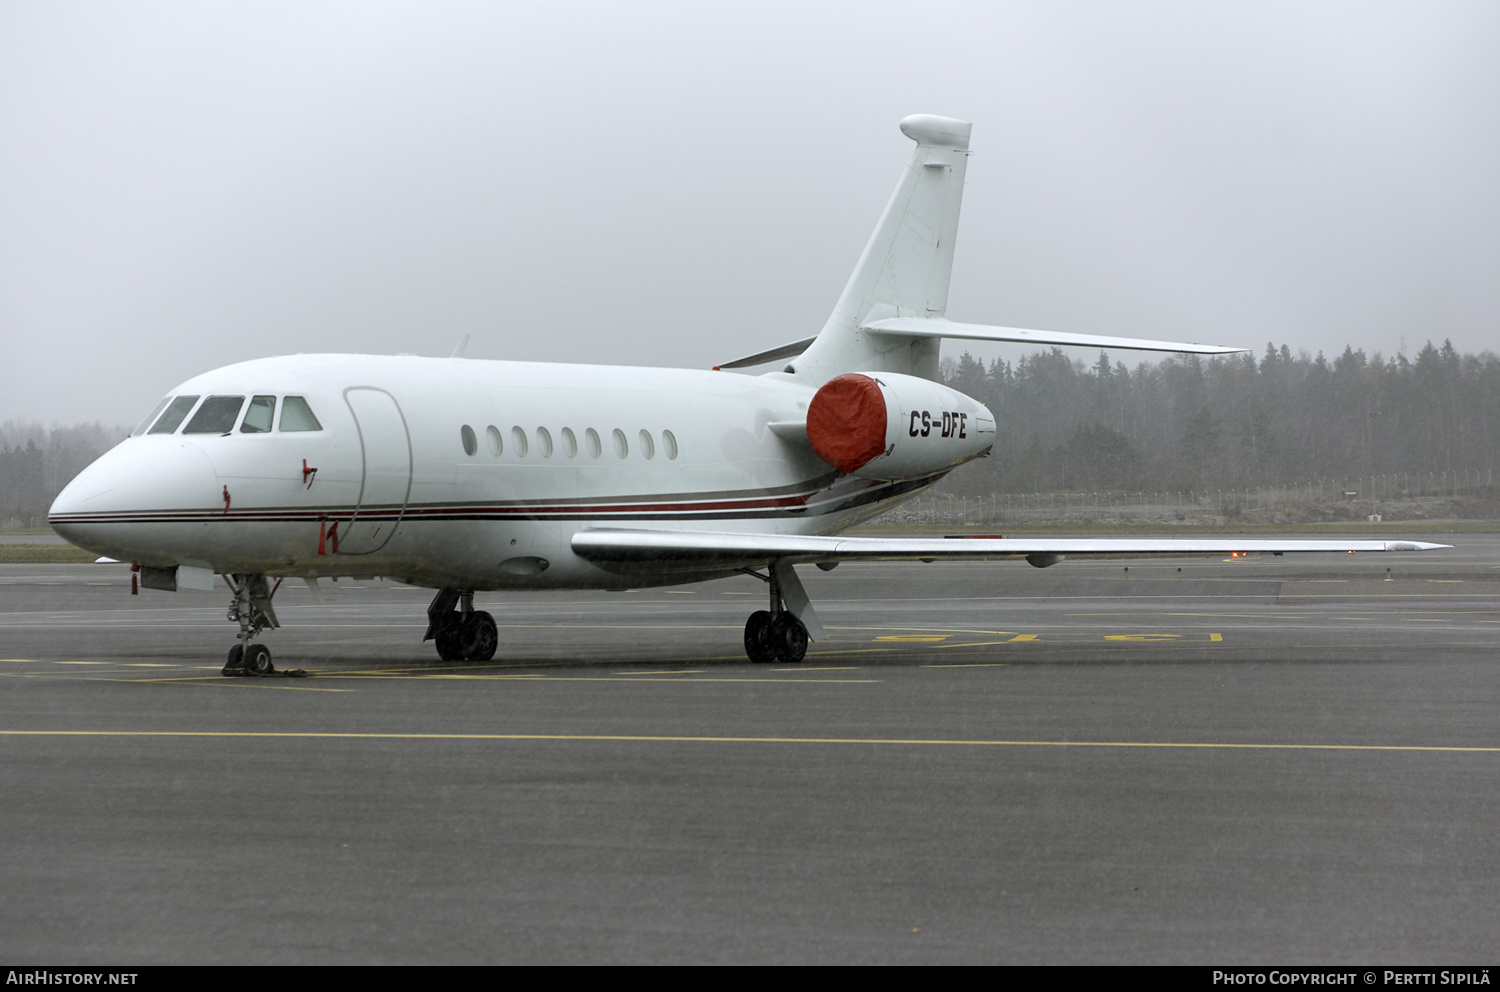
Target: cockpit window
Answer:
pixel 152 417
pixel 296 415
pixel 168 422
pixel 258 417
pixel 216 416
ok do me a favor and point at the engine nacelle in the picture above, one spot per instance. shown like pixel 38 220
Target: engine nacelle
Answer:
pixel 885 425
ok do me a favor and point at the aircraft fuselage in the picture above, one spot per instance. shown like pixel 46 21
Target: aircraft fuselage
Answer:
pixel 464 473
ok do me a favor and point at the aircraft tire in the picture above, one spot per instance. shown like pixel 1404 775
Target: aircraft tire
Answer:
pixel 758 638
pixel 258 660
pixel 482 637
pixel 450 639
pixel 236 662
pixel 789 638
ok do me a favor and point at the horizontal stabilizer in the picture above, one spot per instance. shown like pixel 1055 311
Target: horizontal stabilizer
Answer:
pixel 774 355
pixel 940 327
pixel 644 551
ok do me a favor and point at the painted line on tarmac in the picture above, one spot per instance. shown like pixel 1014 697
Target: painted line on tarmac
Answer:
pixel 663 739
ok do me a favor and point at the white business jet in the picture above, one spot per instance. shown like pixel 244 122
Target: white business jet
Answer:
pixel 466 476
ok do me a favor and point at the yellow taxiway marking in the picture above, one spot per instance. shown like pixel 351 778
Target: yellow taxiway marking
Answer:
pixel 685 671
pixel 972 664
pixel 914 637
pixel 685 739
pixel 1022 638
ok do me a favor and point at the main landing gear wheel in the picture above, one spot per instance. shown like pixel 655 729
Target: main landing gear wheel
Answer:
pixel 449 639
pixel 472 637
pixel 758 638
pixel 484 636
pixel 781 638
pixel 789 638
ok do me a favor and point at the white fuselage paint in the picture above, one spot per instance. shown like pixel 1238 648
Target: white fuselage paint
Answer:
pixel 410 503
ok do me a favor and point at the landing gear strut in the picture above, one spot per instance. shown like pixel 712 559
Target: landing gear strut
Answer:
pixel 251 609
pixel 463 634
pixel 777 634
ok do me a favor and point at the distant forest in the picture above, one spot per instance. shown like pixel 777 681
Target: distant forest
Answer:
pixel 1182 423
pixel 1187 423
pixel 35 464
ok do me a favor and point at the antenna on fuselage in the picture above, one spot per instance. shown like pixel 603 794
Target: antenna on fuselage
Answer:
pixel 463 343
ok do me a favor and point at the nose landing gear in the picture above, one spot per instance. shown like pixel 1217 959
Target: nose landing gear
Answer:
pixel 251 609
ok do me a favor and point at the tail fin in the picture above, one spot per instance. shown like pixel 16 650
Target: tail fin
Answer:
pixel 905 269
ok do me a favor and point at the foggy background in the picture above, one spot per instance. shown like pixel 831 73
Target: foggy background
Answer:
pixel 187 185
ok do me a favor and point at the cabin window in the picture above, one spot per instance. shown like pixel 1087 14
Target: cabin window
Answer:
pixel 169 421
pixel 519 437
pixel 622 448
pixel 669 444
pixel 592 437
pixel 216 416
pixel 648 447
pixel 544 442
pixel 569 442
pixel 258 418
pixel 296 415
pixel 152 418
pixel 471 443
pixel 496 445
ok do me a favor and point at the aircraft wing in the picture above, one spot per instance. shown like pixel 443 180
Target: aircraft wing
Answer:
pixel 663 551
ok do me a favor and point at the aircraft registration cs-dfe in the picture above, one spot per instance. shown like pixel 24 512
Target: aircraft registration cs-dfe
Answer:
pixel 467 476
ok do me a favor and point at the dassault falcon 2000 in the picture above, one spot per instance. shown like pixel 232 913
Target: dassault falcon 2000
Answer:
pixel 467 476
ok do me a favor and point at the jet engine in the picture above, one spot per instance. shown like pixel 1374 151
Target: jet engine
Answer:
pixel 885 425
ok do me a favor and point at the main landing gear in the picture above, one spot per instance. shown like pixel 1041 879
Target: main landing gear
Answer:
pixel 463 634
pixel 782 632
pixel 251 609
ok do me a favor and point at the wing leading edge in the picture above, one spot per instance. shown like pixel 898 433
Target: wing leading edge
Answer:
pixel 647 551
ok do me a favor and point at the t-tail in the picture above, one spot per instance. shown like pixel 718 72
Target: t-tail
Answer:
pixel 906 267
pixel 892 315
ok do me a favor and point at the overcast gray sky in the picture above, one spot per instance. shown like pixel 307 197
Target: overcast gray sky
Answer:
pixel 185 185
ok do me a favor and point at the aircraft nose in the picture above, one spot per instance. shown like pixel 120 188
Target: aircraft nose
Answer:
pixel 116 505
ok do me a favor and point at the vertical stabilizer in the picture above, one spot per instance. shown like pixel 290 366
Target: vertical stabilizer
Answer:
pixel 905 269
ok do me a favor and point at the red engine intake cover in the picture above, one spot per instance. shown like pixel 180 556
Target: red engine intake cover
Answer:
pixel 846 421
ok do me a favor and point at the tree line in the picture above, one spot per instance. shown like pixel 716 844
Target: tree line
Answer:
pixel 1189 423
pixel 37 462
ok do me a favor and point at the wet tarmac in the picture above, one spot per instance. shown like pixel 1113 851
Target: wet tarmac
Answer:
pixel 1271 760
